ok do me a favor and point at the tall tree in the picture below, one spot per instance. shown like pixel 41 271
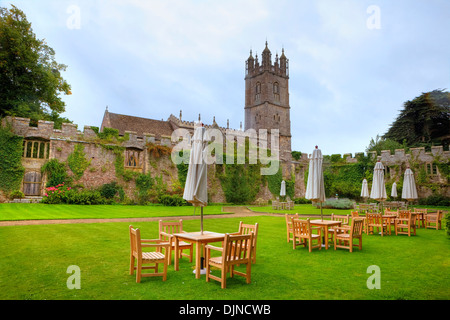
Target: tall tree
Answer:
pixel 30 78
pixel 423 120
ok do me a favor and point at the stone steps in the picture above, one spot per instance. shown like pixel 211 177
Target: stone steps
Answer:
pixel 27 199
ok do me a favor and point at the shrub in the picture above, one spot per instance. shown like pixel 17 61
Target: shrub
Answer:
pixel 435 200
pixel 301 201
pixel 56 194
pixel 336 204
pixel 172 200
pixel 16 194
pixel 110 190
pixel 85 197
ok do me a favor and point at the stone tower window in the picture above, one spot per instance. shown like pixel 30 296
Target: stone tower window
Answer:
pixel 258 91
pixel 276 91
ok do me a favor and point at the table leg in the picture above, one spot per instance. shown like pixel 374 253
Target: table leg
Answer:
pixel 326 237
pixel 198 247
pixel 175 260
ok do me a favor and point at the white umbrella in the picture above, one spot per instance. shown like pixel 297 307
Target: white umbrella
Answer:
pixel 283 189
pixel 409 191
pixel 394 190
pixel 195 190
pixel 315 188
pixel 365 189
pixel 378 191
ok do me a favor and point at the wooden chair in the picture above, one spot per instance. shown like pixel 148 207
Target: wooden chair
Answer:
pixel 302 231
pixel 289 225
pixel 344 223
pixel 166 231
pixel 248 229
pixel 355 214
pixel 344 236
pixel 405 220
pixel 143 258
pixel 420 216
pixel 234 252
pixel 433 220
pixel 375 220
pixel 276 205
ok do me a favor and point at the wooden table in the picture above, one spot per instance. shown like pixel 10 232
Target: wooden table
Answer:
pixel 324 224
pixel 199 240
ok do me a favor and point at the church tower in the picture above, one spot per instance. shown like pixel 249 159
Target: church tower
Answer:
pixel 267 97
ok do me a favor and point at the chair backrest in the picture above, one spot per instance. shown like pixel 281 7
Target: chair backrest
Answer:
pixel 135 242
pixel 391 212
pixel 403 211
pixel 342 219
pixel 289 218
pixel 237 248
pixel 357 226
pixel 301 227
pixel 169 227
pixel 373 218
pixel 355 214
pixel 248 229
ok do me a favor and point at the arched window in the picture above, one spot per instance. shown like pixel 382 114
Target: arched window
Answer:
pixel 258 91
pixel 276 91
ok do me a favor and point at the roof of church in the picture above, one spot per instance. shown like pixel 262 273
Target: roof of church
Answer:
pixel 139 125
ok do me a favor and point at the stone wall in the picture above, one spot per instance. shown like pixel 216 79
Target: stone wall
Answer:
pixel 102 169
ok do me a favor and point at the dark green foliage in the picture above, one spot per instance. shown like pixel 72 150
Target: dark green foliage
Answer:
pixel 56 173
pixel 110 190
pixel 172 200
pixel 11 169
pixel 423 120
pixel 380 144
pixel 296 155
pixel 182 173
pixel 435 200
pixel 84 197
pixel 144 185
pixel 30 78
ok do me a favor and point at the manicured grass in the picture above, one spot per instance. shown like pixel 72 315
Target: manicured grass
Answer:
pixel 35 260
pixel 38 211
pixel 309 209
pixel 306 209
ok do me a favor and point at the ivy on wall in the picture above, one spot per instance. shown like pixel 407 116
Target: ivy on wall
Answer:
pixel 77 161
pixel 56 173
pixel 11 169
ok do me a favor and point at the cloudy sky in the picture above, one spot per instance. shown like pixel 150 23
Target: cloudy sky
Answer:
pixel 352 63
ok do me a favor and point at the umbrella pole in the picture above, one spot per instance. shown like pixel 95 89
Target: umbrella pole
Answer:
pixel 201 221
pixel 321 212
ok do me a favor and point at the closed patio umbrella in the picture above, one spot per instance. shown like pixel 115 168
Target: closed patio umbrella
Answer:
pixel 315 188
pixel 394 190
pixel 365 189
pixel 283 189
pixel 195 190
pixel 378 191
pixel 409 191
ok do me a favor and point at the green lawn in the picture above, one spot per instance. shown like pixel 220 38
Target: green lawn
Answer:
pixel 35 260
pixel 38 211
pixel 309 209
